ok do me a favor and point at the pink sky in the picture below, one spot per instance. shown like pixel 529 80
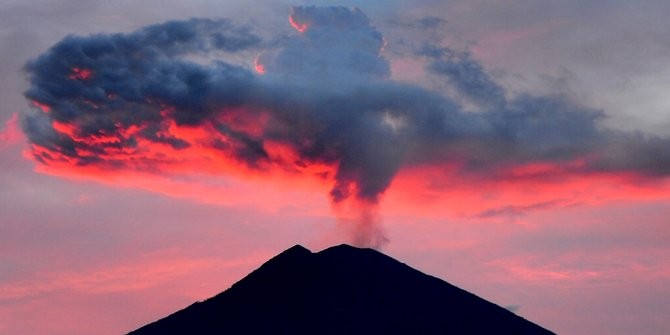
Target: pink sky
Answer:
pixel 86 249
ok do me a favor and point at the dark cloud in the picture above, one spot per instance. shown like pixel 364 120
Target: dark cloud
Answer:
pixel 465 75
pixel 337 43
pixel 326 93
pixel 102 85
pixel 424 23
pixel 429 22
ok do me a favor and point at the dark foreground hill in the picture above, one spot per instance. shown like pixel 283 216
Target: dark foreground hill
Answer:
pixel 341 290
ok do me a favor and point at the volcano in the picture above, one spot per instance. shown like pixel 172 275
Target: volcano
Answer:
pixel 341 290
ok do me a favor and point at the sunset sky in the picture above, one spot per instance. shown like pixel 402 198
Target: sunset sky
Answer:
pixel 154 153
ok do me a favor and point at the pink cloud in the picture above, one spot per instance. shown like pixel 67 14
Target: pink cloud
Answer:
pixel 11 133
pixel 71 301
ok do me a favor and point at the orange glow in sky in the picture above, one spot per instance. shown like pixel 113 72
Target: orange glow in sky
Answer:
pixel 43 107
pixel 438 192
pixel 434 191
pixel 258 66
pixel 300 27
pixel 80 74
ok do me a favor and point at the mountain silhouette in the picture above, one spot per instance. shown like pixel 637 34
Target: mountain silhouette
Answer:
pixel 341 290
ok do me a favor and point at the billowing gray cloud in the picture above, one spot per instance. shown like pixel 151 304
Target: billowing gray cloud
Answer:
pixel 325 92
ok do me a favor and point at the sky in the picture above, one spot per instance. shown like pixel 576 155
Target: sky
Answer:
pixel 154 153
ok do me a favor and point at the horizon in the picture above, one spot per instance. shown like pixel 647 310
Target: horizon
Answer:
pixel 153 154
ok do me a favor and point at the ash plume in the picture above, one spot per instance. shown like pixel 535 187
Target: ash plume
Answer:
pixel 130 101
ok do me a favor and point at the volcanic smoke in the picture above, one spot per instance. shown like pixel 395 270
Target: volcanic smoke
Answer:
pixel 324 98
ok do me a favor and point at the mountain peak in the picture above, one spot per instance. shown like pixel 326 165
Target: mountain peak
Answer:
pixel 342 290
pixel 344 248
pixel 294 251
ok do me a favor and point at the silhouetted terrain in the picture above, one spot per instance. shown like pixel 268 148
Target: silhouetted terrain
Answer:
pixel 341 290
